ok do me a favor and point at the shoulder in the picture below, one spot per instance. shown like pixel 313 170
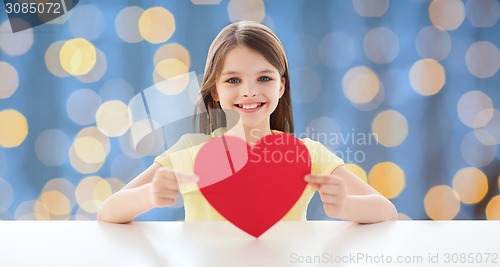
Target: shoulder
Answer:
pixel 194 139
pixel 185 148
pixel 311 144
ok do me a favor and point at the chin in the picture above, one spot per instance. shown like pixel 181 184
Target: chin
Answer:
pixel 252 122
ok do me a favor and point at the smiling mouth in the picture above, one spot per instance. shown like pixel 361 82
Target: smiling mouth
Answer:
pixel 250 106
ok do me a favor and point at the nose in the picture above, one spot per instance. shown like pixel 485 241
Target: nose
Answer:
pixel 247 95
pixel 249 90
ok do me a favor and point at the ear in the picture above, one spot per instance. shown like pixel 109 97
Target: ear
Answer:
pixel 214 95
pixel 282 86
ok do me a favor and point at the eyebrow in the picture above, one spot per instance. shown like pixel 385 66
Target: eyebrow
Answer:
pixel 235 72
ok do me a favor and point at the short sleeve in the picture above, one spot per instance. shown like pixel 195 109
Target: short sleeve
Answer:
pixel 165 158
pixel 180 156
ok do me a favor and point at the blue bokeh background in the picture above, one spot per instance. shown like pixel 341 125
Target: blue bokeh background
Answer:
pixel 438 144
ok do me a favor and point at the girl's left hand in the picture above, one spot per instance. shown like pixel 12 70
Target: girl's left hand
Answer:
pixel 332 190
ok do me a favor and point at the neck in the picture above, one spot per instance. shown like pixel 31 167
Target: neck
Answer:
pixel 250 134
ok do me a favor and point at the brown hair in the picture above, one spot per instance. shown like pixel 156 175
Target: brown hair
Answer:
pixel 261 39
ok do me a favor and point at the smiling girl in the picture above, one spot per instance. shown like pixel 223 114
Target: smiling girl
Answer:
pixel 246 92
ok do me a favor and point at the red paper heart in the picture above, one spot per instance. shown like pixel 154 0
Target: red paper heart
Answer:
pixel 253 188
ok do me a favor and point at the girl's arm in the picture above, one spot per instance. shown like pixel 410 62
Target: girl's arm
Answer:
pixel 347 197
pixel 156 187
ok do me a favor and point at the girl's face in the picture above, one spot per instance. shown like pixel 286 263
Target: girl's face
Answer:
pixel 249 85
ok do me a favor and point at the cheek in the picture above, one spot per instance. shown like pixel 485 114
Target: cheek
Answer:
pixel 225 95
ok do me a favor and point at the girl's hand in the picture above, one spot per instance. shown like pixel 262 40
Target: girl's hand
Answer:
pixel 332 190
pixel 164 187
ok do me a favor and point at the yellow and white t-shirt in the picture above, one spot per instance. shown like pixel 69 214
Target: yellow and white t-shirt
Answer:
pixel 182 155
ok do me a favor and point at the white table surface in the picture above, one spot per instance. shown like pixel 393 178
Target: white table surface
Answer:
pixel 313 243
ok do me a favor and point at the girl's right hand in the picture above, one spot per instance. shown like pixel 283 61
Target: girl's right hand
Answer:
pixel 164 187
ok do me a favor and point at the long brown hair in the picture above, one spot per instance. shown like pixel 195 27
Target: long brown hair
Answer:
pixel 261 39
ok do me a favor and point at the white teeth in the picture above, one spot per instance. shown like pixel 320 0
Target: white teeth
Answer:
pixel 249 106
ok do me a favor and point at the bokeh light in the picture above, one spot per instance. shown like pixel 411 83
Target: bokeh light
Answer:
pixel 97 134
pixel 493 208
pixel 484 13
pixel 115 184
pixel 9 78
pixel 156 25
pixel 427 77
pixel 433 43
pixel 56 203
pixel 81 26
pixel 41 212
pixel 6 195
pixel 381 45
pixel 442 203
pixel 91 192
pixel 370 8
pixel 78 56
pixel 387 178
pixel 475 109
pixel 475 152
pixel 82 106
pixel 337 50
pixel 357 170
pixel 13 128
pixel 99 69
pixel 360 85
pixel 89 150
pixel 173 70
pixel 390 127
pixel 15 44
pixel 52 60
pixel 471 184
pixel 253 10
pixel 25 211
pixel 485 137
pixel 51 147
pixel 82 166
pixel 113 118
pixel 491 129
pixel 127 24
pixel 447 14
pixel 170 51
pixel 483 59
pixel 63 186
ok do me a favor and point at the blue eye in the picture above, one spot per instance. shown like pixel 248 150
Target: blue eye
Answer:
pixel 264 79
pixel 233 80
